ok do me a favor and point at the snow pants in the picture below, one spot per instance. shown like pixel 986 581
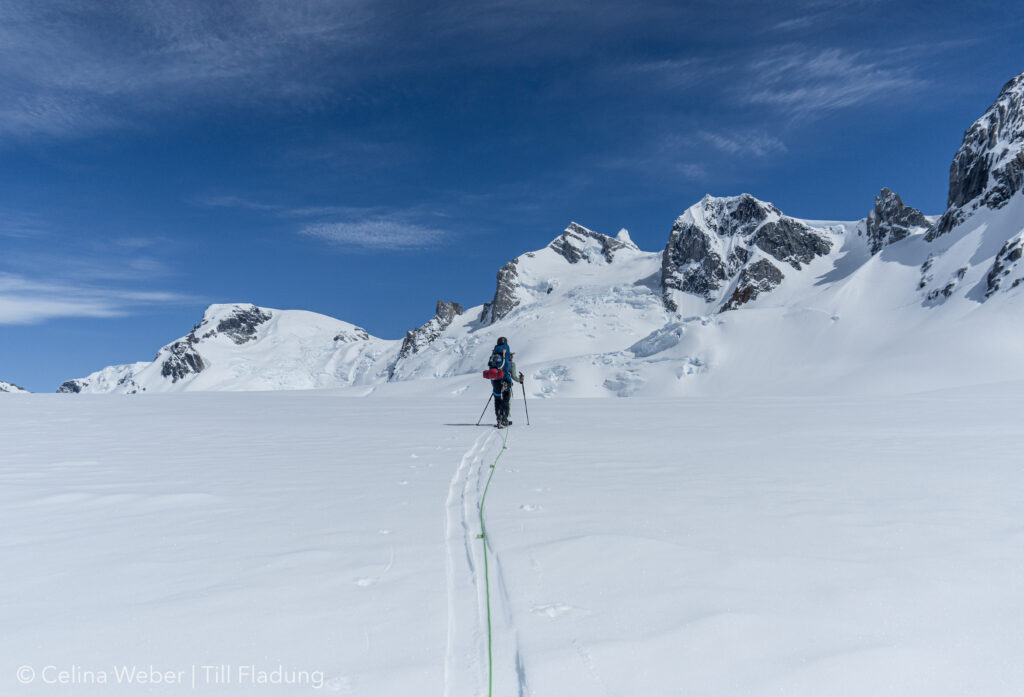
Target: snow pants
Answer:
pixel 502 396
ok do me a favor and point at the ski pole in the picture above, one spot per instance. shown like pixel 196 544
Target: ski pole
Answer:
pixel 489 398
pixel 524 404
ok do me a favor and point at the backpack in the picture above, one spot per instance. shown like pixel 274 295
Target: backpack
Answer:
pixel 495 365
pixel 497 360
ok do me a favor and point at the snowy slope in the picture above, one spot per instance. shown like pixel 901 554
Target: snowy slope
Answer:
pixel 11 388
pixel 806 547
pixel 243 347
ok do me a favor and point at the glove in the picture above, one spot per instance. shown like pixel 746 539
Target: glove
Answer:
pixel 520 378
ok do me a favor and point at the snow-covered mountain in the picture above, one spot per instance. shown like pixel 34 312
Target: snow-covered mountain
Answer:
pixel 743 299
pixel 9 387
pixel 244 347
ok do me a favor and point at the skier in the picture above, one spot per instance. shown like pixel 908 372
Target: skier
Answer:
pixel 502 388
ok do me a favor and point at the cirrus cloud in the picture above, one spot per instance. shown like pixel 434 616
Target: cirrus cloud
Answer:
pixel 377 234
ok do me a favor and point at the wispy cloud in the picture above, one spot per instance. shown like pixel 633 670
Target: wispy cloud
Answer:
pixel 27 301
pixel 355 227
pixel 810 83
pixel 234 202
pixel 748 143
pixel 73 66
pixel 377 234
pixel 20 224
pixel 282 210
pixel 672 74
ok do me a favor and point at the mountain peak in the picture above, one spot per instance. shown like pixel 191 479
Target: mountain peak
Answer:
pixel 239 322
pixel 728 212
pixel 988 169
pixel 578 243
pixel 892 220
pixel 718 240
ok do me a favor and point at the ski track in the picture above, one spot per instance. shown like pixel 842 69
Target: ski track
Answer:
pixel 465 670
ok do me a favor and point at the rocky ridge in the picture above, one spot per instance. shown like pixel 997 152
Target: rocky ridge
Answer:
pixel 421 336
pixel 891 220
pixel 988 168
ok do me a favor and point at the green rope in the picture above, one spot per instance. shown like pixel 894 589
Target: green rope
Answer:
pixel 487 580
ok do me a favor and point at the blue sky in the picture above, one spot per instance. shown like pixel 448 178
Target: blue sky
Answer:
pixel 363 159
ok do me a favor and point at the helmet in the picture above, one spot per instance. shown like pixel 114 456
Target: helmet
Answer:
pixel 502 340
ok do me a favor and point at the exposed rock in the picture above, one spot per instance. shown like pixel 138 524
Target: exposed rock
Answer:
pixel 760 277
pixel 791 242
pixel 946 290
pixel 418 339
pixel 690 264
pixel 350 335
pixel 182 359
pixel 241 325
pixel 10 387
pixel 891 220
pixel 70 387
pixel 713 241
pixel 988 169
pixel 505 297
pixel 1005 263
pixel 577 244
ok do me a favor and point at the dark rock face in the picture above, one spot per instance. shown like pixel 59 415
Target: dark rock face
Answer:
pixel 70 387
pixel 1005 263
pixel 242 324
pixel 576 243
pixel 691 262
pixel 988 169
pixel 183 359
pixel 891 220
pixel 505 297
pixel 791 242
pixel 760 277
pixel 419 338
pixel 708 249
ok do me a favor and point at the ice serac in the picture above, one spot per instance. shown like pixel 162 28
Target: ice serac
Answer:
pixel 722 241
pixel 988 169
pixel 11 387
pixel 891 220
pixel 418 338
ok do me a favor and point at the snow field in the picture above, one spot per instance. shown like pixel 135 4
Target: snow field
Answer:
pixel 797 546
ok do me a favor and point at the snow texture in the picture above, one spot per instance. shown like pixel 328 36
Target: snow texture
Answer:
pixel 798 546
